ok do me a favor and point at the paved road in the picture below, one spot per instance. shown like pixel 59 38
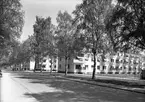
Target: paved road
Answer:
pixel 31 88
pixel 13 91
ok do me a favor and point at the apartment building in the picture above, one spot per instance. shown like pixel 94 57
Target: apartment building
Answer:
pixel 25 66
pixel 74 65
pixel 121 63
pixel 118 63
pixel 46 64
pixel 21 66
pixel 79 64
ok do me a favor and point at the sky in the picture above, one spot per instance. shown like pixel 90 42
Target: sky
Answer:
pixel 43 8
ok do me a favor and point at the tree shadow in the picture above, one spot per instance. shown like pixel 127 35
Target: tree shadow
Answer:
pixel 59 97
pixel 81 97
pixel 80 92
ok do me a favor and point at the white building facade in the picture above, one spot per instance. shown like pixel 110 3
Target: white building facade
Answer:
pixel 46 64
pixel 119 63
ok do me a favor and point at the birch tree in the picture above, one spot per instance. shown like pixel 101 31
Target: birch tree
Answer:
pixel 89 17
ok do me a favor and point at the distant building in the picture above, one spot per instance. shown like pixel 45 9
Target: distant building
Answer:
pixel 121 63
pixel 46 64
pixel 74 65
pixel 79 64
pixel 25 66
pixel 21 66
pixel 118 63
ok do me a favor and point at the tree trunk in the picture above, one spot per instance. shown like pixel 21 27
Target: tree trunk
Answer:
pixel 40 65
pixel 94 69
pixel 36 63
pixel 51 66
pixel 66 66
pixel 15 67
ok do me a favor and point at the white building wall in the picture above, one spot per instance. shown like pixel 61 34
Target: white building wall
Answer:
pixel 32 64
pixel 115 64
pixel 50 62
pixel 46 62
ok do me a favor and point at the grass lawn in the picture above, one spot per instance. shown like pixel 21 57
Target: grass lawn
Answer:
pixel 123 82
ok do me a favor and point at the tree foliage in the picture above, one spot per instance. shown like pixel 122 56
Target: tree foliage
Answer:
pixel 126 23
pixel 68 42
pixel 13 54
pixel 41 35
pixel 11 23
pixel 64 36
pixel 11 20
pixel 89 17
pixel 51 43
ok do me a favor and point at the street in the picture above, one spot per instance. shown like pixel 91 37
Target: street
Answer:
pixel 38 88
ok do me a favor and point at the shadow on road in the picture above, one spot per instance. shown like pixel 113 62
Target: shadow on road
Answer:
pixel 78 92
pixel 81 92
pixel 84 97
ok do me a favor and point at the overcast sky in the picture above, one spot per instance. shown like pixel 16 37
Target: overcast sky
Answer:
pixel 43 8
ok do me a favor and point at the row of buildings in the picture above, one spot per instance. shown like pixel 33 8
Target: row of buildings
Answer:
pixel 119 63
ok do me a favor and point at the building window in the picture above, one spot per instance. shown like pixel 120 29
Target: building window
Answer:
pixel 125 61
pixel 117 61
pixel 124 67
pixel 111 68
pixel 78 67
pixel 98 67
pixel 104 67
pixel 86 66
pixel 43 66
pixel 92 66
pixel 117 68
pixel 121 61
pixel 86 59
pixel 120 68
pixel 129 69
pixel 112 60
pixel 54 66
